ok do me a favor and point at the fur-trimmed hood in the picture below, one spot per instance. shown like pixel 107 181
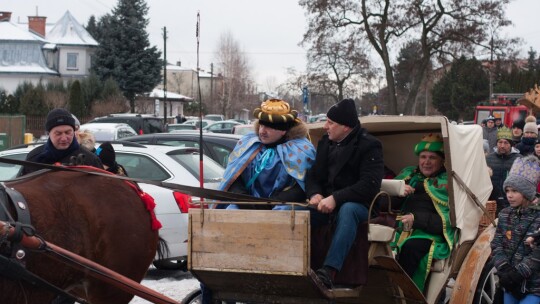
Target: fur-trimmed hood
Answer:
pixel 299 130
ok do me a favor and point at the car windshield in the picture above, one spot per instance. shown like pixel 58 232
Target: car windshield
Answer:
pixel 212 171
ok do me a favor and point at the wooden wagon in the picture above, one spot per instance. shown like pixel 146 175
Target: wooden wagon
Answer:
pixel 266 257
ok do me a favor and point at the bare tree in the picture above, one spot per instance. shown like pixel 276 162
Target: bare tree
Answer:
pixel 444 28
pixel 336 62
pixel 237 83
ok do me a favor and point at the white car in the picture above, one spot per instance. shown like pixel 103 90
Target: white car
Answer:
pixel 157 163
pixel 109 131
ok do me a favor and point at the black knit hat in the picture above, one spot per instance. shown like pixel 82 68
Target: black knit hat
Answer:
pixel 518 123
pixel 59 117
pixel 106 153
pixel 344 113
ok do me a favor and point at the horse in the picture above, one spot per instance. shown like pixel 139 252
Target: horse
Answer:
pixel 100 218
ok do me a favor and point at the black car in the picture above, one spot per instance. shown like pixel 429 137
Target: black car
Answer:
pixel 216 146
pixel 141 123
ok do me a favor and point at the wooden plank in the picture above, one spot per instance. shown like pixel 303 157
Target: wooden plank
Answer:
pixel 398 276
pixel 249 241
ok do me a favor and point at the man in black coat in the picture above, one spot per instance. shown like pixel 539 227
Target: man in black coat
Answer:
pixel 345 178
pixel 62 146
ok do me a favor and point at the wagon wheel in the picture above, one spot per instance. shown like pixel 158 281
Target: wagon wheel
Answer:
pixel 194 297
pixel 487 290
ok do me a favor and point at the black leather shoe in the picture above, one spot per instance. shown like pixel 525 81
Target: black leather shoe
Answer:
pixel 326 278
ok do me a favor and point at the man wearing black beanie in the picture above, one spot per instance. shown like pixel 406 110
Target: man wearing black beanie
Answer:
pixel 62 146
pixel 345 178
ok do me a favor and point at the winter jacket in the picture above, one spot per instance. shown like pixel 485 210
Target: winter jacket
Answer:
pixel 500 164
pixel 491 135
pixel 507 246
pixel 77 153
pixel 356 175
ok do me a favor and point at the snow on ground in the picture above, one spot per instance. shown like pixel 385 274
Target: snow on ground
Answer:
pixel 176 285
pixel 171 288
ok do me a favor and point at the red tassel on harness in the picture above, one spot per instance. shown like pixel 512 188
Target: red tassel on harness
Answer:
pixel 150 205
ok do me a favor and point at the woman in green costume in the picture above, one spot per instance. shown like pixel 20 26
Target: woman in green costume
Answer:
pixel 424 232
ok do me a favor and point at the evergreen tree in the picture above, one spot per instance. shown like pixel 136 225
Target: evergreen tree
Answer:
pixel 92 27
pixel 459 90
pixel 33 101
pixel 532 62
pixel 76 101
pixel 91 88
pixel 4 107
pixel 125 53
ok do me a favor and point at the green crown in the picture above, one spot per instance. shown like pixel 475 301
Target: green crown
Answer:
pixel 504 133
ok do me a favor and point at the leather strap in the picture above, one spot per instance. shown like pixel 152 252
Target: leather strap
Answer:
pixel 193 191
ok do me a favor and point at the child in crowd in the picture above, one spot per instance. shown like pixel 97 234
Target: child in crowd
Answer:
pixel 517 267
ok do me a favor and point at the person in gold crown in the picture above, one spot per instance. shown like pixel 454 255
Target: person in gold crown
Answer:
pixel 270 162
pixel 500 161
pixel 424 232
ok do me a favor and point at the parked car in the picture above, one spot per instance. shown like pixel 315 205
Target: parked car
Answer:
pixel 225 126
pixel 242 121
pixel 180 127
pixel 108 131
pixel 214 117
pixel 156 163
pixel 141 123
pixel 198 123
pixel 316 118
pixel 216 146
pixel 243 129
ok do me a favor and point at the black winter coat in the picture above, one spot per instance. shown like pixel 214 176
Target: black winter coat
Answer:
pixel 360 170
pixel 90 159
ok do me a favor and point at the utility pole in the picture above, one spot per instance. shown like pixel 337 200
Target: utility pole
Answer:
pixel 165 74
pixel 490 70
pixel 212 83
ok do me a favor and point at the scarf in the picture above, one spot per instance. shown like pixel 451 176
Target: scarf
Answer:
pixel 51 155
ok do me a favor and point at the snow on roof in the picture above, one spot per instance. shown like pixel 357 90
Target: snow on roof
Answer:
pixel 68 31
pixel 11 32
pixel 172 67
pixel 202 74
pixel 159 93
pixel 30 69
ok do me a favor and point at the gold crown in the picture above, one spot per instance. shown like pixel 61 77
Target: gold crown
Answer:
pixel 275 111
pixel 504 133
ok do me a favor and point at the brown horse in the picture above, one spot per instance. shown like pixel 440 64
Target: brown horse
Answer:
pixel 100 218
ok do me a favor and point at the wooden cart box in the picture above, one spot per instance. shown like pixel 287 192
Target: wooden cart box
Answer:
pixel 250 251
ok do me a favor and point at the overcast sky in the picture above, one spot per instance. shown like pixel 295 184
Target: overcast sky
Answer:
pixel 268 30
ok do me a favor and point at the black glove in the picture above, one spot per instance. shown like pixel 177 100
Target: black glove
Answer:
pixel 503 273
pixel 512 281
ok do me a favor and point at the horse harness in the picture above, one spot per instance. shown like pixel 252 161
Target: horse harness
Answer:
pixel 12 253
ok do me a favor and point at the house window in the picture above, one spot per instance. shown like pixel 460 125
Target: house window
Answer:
pixel 72 61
